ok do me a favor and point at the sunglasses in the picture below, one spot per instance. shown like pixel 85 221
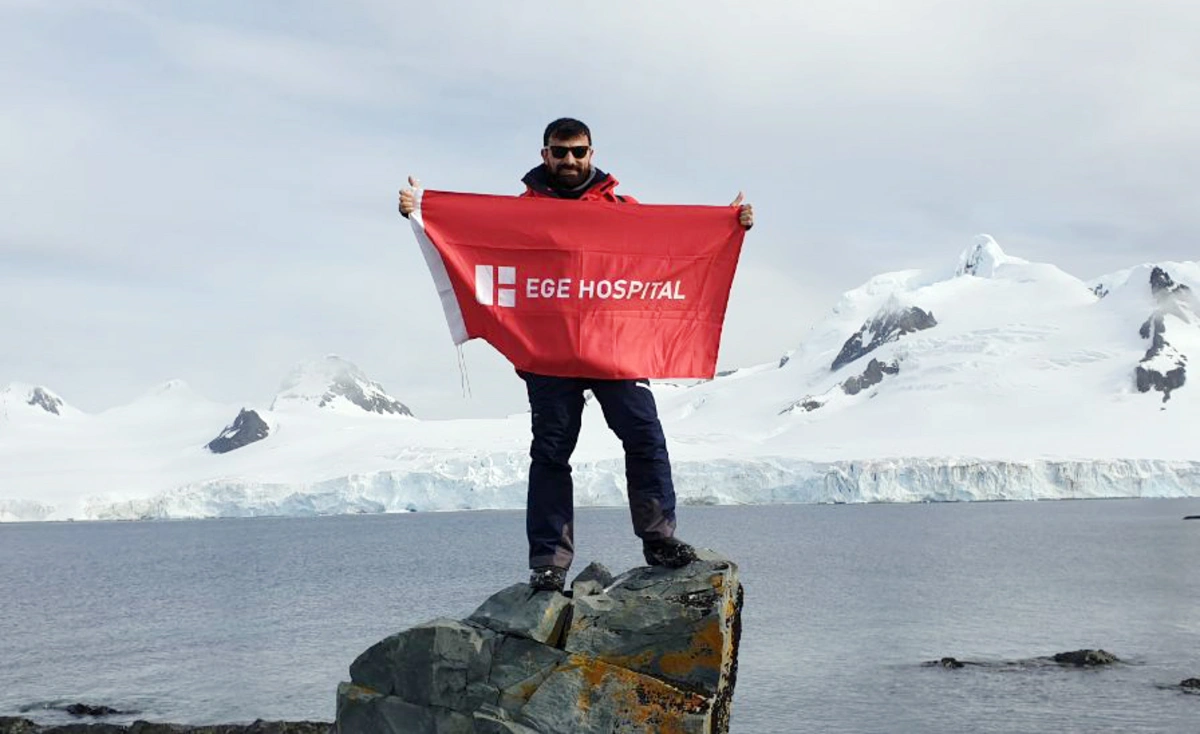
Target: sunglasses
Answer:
pixel 560 151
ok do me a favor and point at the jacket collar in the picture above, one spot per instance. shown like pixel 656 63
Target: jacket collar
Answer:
pixel 600 183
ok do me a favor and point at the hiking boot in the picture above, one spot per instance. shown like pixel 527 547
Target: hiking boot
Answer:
pixel 548 578
pixel 669 552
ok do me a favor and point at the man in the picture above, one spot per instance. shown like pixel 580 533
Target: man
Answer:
pixel 556 403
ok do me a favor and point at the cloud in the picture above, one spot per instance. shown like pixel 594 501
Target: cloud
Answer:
pixel 209 189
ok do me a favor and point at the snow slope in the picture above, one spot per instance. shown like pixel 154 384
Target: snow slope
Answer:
pixel 996 378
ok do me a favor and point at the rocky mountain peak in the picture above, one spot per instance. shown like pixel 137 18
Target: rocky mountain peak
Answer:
pixel 42 398
pixel 888 325
pixel 334 383
pixel 39 399
pixel 981 258
pixel 1164 367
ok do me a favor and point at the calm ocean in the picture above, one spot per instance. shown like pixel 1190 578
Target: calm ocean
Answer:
pixel 233 620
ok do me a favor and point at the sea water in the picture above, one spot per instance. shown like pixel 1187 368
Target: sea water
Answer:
pixel 233 620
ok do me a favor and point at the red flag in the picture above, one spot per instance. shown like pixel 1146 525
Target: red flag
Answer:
pixel 583 288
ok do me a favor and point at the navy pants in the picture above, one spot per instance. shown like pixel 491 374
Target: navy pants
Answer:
pixel 557 411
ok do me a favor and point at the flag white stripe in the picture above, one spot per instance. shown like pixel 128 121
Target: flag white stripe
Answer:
pixel 441 278
pixel 484 284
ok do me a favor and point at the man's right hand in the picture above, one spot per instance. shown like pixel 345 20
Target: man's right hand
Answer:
pixel 408 196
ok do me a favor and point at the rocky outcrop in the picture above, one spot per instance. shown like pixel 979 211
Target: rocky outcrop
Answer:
pixel 888 325
pixel 41 398
pixel 982 258
pixel 1191 684
pixel 83 709
pixel 366 397
pixel 247 428
pixel 9 725
pixel 334 383
pixel 653 650
pixel 1162 284
pixel 1163 368
pixel 1086 658
pixel 870 377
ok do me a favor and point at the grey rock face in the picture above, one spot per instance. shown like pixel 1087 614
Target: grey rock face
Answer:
pixel 441 663
pixel 371 400
pixel 871 376
pixel 363 710
pixel 592 580
pixel 323 382
pixel 247 428
pixel 586 696
pixel 515 611
pixel 1163 368
pixel 1161 283
pixel 653 650
pixel 491 720
pixel 39 398
pixel 887 326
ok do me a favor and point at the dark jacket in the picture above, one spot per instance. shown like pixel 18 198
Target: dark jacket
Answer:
pixel 599 188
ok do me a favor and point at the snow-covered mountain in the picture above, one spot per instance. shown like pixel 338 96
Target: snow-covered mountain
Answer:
pixel 337 385
pixel 995 378
pixel 21 404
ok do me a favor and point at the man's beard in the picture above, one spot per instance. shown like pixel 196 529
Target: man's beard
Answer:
pixel 571 179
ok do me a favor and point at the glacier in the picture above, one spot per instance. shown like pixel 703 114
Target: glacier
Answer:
pixel 1005 380
pixel 468 485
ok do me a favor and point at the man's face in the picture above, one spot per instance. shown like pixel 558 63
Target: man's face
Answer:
pixel 570 170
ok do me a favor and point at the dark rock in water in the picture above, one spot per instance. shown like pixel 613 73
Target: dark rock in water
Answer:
pixel 871 376
pixel 1191 517
pixel 887 326
pixel 82 709
pixel 652 650
pixel 1085 658
pixel 247 428
pixel 1190 683
pixel 25 726
pixel 951 663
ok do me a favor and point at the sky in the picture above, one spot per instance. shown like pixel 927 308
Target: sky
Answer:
pixel 207 191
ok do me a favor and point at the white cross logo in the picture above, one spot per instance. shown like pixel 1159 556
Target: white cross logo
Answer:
pixel 489 282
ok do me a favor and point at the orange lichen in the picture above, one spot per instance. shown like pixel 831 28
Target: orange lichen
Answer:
pixel 705 651
pixel 646 702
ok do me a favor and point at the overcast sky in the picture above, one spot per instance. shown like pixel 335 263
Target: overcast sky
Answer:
pixel 207 191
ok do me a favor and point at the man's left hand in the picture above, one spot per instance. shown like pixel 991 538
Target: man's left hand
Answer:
pixel 745 212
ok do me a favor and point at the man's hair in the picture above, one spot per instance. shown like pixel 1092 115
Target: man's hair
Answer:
pixel 565 127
